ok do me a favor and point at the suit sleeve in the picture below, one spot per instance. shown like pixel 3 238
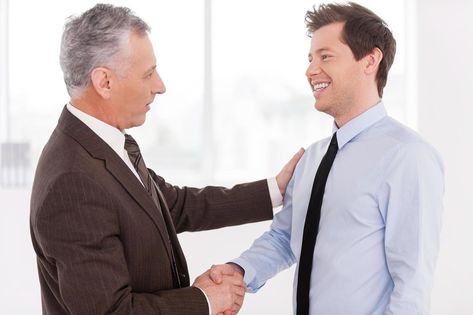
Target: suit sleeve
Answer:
pixel 79 240
pixel 212 207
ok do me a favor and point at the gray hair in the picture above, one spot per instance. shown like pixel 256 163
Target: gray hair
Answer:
pixel 93 40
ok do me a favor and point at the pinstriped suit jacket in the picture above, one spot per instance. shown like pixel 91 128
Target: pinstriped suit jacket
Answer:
pixel 101 242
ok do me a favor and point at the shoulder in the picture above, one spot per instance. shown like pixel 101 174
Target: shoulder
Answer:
pixel 406 149
pixel 65 170
pixel 317 148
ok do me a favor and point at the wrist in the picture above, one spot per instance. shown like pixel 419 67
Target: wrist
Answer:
pixel 237 268
pixel 275 192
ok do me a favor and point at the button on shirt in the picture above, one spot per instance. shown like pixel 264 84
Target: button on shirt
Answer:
pixel 380 221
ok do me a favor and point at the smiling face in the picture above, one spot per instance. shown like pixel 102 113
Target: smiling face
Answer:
pixel 134 91
pixel 334 75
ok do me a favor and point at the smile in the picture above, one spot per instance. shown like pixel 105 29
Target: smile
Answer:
pixel 320 86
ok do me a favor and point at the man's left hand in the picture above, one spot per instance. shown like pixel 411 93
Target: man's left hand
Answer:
pixel 285 174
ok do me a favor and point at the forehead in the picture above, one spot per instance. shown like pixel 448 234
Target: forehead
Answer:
pixel 141 50
pixel 327 37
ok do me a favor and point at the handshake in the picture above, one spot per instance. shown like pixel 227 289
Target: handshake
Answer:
pixel 224 287
pixel 223 284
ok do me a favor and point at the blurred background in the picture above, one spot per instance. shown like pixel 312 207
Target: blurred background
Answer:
pixel 237 107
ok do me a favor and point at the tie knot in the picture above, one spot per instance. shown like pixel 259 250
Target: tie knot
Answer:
pixel 131 146
pixel 334 141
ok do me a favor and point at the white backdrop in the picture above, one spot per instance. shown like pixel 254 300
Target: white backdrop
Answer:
pixel 445 112
pixel 442 47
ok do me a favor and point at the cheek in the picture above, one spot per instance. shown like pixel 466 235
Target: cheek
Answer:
pixel 347 77
pixel 135 92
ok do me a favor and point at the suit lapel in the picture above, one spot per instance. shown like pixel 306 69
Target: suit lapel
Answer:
pixel 98 149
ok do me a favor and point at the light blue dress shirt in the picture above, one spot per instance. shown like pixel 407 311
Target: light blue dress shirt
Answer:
pixel 379 228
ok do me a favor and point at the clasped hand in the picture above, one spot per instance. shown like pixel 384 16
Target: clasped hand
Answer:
pixel 223 284
pixel 224 287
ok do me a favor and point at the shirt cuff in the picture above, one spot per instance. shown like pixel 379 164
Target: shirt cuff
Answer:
pixel 250 273
pixel 208 302
pixel 274 192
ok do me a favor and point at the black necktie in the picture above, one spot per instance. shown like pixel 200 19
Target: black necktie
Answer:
pixel 311 228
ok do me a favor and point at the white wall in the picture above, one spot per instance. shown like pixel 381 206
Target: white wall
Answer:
pixel 445 47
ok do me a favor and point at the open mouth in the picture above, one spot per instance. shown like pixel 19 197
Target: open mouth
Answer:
pixel 320 86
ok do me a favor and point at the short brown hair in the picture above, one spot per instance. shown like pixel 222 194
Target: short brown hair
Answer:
pixel 362 32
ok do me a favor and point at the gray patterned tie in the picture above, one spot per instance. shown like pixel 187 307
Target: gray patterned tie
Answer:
pixel 139 164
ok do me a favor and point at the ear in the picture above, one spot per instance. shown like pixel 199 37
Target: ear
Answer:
pixel 372 61
pixel 100 78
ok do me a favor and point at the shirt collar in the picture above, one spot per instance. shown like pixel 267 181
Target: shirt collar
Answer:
pixel 111 135
pixel 355 126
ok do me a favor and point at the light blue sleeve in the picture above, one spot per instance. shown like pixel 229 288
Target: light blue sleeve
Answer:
pixel 412 196
pixel 271 252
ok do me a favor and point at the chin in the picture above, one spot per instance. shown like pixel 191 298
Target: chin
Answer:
pixel 139 123
pixel 324 106
pixel 136 123
pixel 319 106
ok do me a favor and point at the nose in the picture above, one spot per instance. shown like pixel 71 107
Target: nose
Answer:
pixel 312 69
pixel 158 85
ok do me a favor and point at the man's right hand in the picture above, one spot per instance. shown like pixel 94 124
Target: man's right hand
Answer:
pixel 225 296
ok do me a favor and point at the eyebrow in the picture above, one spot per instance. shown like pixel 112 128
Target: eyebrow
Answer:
pixel 320 50
pixel 151 69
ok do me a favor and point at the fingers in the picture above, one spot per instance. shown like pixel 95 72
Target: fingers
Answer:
pixel 291 165
pixel 237 304
pixel 238 297
pixel 285 174
pixel 228 295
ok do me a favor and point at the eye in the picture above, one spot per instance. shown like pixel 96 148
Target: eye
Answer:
pixel 324 57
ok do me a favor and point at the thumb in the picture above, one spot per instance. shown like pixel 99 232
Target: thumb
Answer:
pixel 215 276
pixel 217 272
pixel 295 159
pixel 288 169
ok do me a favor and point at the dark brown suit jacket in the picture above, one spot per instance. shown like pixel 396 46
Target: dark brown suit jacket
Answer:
pixel 101 242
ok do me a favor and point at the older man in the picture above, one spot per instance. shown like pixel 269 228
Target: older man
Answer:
pixel 102 224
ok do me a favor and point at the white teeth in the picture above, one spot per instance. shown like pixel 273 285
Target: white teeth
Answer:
pixel 320 86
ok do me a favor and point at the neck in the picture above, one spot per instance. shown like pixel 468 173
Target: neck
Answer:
pixel 95 107
pixel 356 108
